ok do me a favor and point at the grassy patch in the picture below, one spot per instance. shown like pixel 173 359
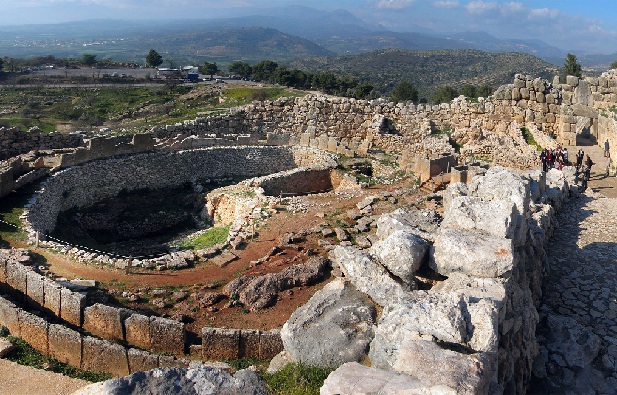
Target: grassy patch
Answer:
pixel 529 138
pixel 243 363
pixel 297 379
pixel 24 354
pixel 209 238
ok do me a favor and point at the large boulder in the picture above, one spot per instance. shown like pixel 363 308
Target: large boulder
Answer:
pixel 423 223
pixel 502 184
pixel 193 381
pixel 402 253
pixel 472 253
pixel 442 316
pixel 353 378
pixel 493 217
pixel 435 365
pixel 367 275
pixel 335 326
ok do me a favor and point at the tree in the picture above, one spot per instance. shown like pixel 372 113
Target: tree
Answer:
pixel 209 69
pixel 572 67
pixel 362 91
pixel 88 59
pixel 243 69
pixel 264 70
pixel 154 59
pixel 404 91
pixel 614 65
pixel 469 91
pixel 484 91
pixel 1 65
pixel 444 94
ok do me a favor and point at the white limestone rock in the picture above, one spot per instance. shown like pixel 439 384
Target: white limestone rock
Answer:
pixel 353 378
pixel 367 275
pixel 472 253
pixel 437 315
pixel 493 217
pixel 453 191
pixel 335 326
pixel 402 253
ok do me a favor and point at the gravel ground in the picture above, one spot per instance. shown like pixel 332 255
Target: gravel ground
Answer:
pixel 17 379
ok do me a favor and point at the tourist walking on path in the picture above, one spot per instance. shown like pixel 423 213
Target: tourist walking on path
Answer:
pixel 579 159
pixel 606 149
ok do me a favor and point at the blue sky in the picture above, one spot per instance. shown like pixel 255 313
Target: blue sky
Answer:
pixel 589 25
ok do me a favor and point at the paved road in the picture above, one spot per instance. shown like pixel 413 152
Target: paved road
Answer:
pixel 578 317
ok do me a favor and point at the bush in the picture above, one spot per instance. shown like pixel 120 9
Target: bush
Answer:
pixel 297 379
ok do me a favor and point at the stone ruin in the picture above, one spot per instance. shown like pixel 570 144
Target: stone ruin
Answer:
pixel 473 331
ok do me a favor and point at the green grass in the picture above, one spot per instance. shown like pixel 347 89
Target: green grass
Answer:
pixel 24 354
pixel 211 237
pixel 297 379
pixel 529 138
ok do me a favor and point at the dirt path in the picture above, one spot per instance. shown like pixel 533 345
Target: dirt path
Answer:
pixel 17 379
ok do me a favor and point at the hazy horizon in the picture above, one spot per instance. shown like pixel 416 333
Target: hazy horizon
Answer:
pixel 567 24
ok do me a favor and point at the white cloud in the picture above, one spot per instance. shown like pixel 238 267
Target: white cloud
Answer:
pixel 543 13
pixel 513 6
pixel 395 4
pixel 446 3
pixel 481 7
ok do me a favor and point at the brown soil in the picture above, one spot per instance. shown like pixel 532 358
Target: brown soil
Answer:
pixel 327 208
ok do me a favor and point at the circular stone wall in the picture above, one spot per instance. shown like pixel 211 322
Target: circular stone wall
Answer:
pixel 91 182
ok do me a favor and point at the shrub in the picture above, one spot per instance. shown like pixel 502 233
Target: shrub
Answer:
pixel 297 379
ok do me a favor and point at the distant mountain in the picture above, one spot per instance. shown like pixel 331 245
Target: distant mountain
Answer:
pixel 428 70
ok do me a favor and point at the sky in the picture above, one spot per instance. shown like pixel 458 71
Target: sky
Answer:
pixel 589 25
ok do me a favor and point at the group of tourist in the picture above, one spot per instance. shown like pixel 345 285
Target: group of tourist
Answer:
pixel 554 158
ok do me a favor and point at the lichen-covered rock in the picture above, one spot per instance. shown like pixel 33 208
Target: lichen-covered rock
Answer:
pixel 335 326
pixel 193 381
pixel 493 217
pixel 367 275
pixel 402 253
pixel 423 223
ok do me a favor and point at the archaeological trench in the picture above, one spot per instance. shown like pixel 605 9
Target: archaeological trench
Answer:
pixel 470 329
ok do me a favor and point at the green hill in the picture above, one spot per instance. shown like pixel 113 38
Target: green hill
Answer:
pixel 428 70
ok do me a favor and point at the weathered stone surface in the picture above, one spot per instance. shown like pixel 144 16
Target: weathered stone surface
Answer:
pixel 193 381
pixel 52 296
pixel 423 223
pixel 137 331
pixel 352 378
pixel 402 254
pixel 434 365
pixel 65 344
pixel 34 330
pixel 493 217
pixel 5 347
pixel 219 343
pixel 35 288
pixel 440 315
pixel 9 316
pixel 335 326
pixel 574 343
pixel 270 343
pixel 16 276
pixel 167 336
pixel 249 343
pixel 472 253
pixel 104 321
pixel 453 191
pixel 73 304
pixel 367 276
pixel 140 360
pixel 103 356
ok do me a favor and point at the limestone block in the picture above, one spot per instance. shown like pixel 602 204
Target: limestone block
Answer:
pixel 2 271
pixel 141 361
pixel 435 366
pixel 103 356
pixel 34 330
pixel 65 344
pixel 9 316
pixel 402 253
pixel 219 343
pixel 352 378
pixel 472 253
pixel 440 315
pixel 137 331
pixel 35 287
pixel 104 321
pixel 16 276
pixel 52 296
pixel 335 326
pixel 493 217
pixel 270 344
pixel 249 343
pixel 367 276
pixel 167 336
pixel 73 304
pixel 572 80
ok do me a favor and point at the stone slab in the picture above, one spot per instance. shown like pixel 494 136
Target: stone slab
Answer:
pixel 270 344
pixel 140 361
pixel 137 330
pixel 34 330
pixel 167 336
pixel 104 321
pixel 219 343
pixel 35 288
pixel 72 306
pixel 9 316
pixel 249 343
pixel 53 293
pixel 65 344
pixel 103 356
